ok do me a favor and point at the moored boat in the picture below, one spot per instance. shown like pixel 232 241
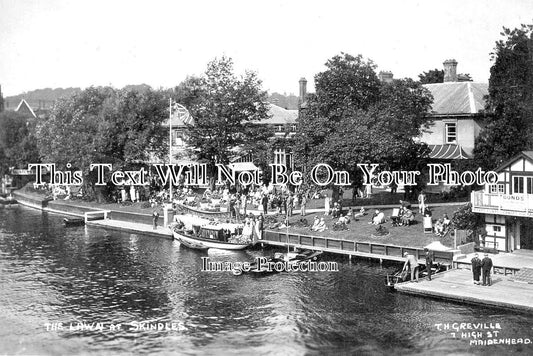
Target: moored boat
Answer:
pixel 401 276
pixel 293 259
pixel 73 221
pixel 200 242
pixel 7 200
pixel 189 244
pixel 204 233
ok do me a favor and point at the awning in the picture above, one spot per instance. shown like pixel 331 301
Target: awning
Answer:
pixel 447 152
pixel 437 246
pixel 243 166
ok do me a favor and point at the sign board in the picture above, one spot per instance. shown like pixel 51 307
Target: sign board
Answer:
pixel 513 201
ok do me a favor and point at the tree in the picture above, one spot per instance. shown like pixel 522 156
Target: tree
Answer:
pixel 18 145
pixel 104 125
pixel 353 118
pixel 510 100
pixel 225 109
pixel 464 219
pixel 432 76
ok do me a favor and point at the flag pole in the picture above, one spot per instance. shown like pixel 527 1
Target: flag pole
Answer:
pixel 170 144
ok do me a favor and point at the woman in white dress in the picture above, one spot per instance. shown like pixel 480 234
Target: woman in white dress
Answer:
pixel 326 205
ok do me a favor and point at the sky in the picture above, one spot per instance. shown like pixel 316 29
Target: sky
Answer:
pixel 60 43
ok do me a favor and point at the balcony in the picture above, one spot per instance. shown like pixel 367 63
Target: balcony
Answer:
pixel 502 204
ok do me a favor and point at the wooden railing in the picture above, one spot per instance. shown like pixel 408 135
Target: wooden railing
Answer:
pixel 352 247
pixel 94 215
pixel 497 269
pixel 504 204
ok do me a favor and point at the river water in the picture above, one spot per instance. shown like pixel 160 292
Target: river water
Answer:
pixel 56 281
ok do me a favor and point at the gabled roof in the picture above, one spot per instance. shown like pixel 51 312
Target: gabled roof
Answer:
pixel 277 116
pixel 528 155
pixel 280 116
pixel 447 152
pixel 457 98
pixel 25 108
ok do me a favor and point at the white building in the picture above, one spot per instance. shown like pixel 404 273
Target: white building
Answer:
pixel 507 206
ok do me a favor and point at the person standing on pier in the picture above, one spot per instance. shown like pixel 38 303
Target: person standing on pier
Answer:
pixel 412 264
pixel 486 266
pixel 476 268
pixel 429 262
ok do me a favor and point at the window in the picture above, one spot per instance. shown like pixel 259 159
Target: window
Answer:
pixel 279 128
pixel 496 228
pixel 451 133
pixel 497 189
pixel 518 185
pixel 519 182
pixel 279 156
pixel 294 128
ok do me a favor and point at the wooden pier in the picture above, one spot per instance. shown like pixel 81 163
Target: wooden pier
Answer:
pixel 457 285
pixel 352 248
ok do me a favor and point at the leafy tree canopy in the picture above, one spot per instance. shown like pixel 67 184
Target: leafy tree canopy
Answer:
pixel 353 118
pixel 432 76
pixel 104 125
pixel 510 99
pixel 18 145
pixel 225 108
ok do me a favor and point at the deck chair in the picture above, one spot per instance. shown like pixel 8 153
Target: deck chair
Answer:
pixel 428 225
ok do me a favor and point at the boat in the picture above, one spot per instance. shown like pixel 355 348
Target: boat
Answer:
pixel 7 200
pixel 73 222
pixel 191 239
pixel 401 276
pixel 292 258
pixel 191 245
pixel 204 233
pixel 186 209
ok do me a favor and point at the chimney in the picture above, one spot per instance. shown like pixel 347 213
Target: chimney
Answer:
pixel 303 90
pixel 450 70
pixel 385 77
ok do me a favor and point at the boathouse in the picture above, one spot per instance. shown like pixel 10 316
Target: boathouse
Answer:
pixel 507 206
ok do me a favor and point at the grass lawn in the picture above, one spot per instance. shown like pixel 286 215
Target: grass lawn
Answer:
pixel 382 196
pixel 360 230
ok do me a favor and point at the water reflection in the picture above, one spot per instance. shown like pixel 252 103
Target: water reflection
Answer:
pixel 52 274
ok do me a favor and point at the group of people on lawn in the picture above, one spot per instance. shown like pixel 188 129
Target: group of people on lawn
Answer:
pixel 343 219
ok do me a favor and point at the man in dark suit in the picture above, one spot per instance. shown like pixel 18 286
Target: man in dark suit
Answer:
pixel 429 262
pixel 264 202
pixel 486 266
pixel 476 268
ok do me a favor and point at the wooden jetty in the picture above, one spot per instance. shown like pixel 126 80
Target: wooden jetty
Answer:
pixel 457 285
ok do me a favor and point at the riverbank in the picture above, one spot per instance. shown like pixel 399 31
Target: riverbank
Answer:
pixel 358 229
pixel 447 285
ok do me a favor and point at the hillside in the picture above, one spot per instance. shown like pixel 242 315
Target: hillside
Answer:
pixel 44 98
pixel 40 98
